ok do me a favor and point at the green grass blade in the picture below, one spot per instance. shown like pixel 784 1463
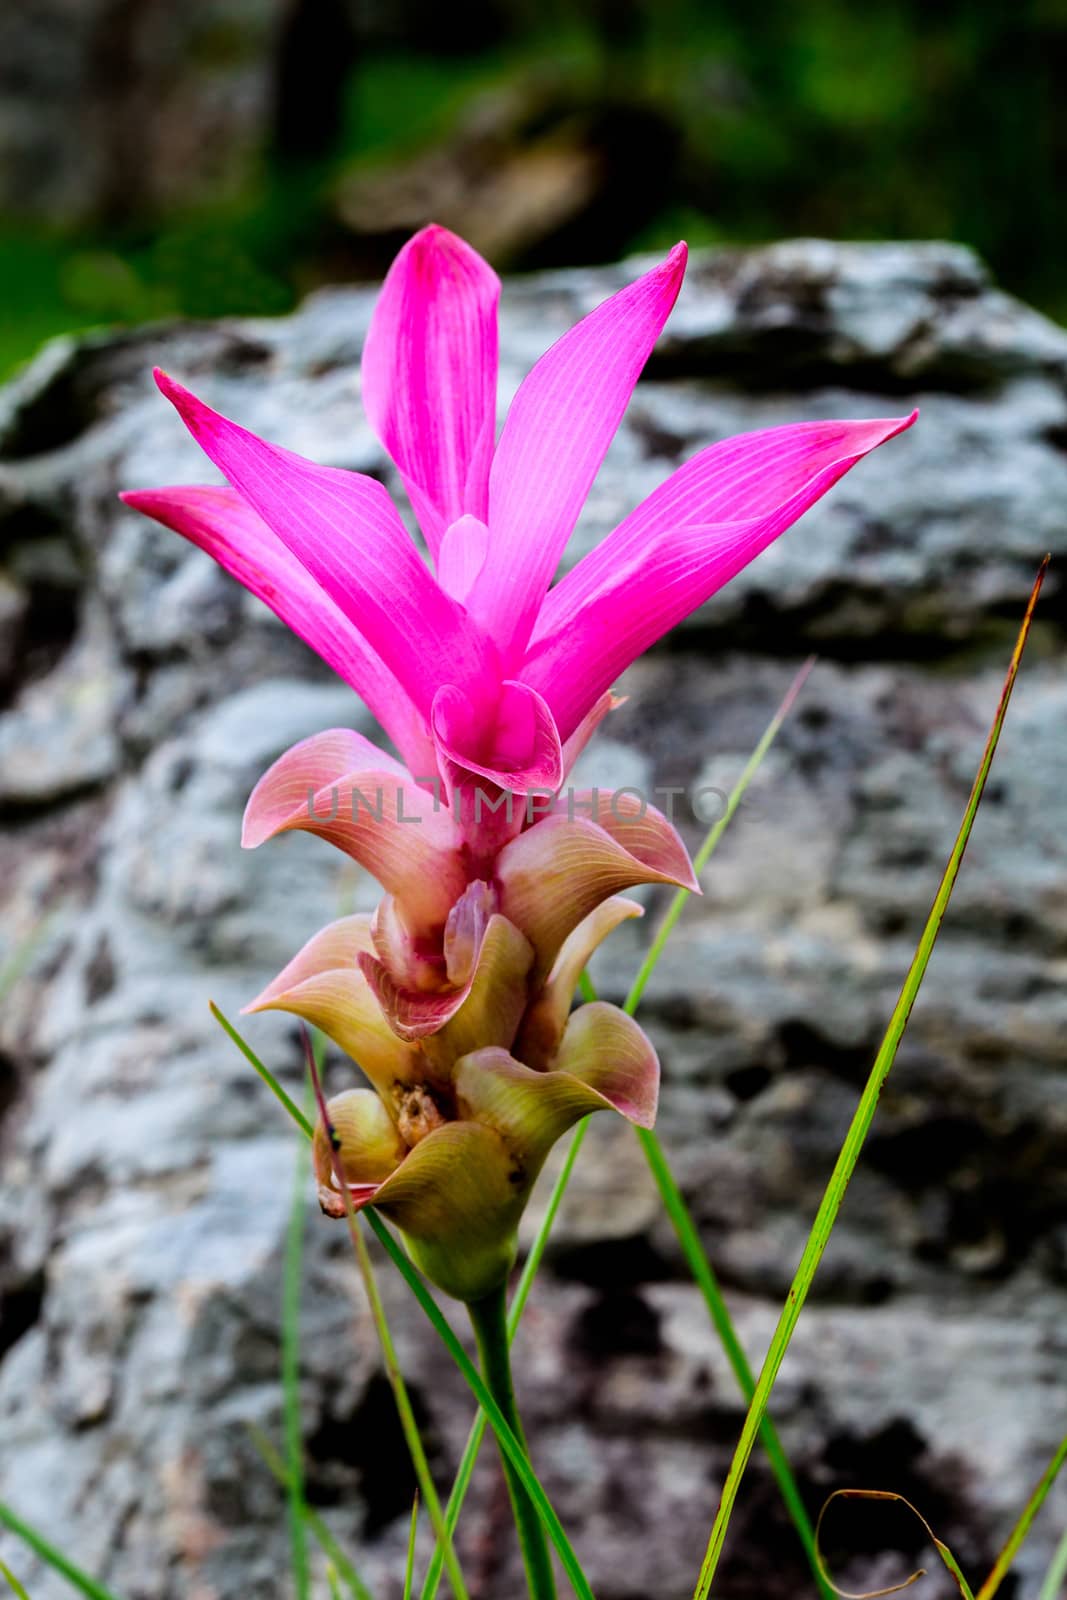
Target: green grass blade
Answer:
pixel 334 1586
pixel 269 1079
pixel 857 1133
pixel 52 1557
pixel 393 1372
pixel 1055 1579
pixel 318 1529
pixel 12 1582
pixel 708 1284
pixel 294 1448
pixel 403 1405
pixel 1022 1527
pixel 409 1570
pixel 687 1233
pixel 508 1442
pixel 515 1311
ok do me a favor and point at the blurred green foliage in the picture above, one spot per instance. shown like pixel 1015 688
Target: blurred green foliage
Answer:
pixel 897 119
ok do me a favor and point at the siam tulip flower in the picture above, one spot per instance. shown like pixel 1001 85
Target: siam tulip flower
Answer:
pixel 454 998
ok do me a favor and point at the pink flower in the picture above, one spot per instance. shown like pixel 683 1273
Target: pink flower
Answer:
pixel 455 996
pixel 478 669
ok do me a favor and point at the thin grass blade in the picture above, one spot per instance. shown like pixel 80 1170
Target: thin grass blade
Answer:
pixel 857 1133
pixel 708 1284
pixel 12 1582
pixel 294 1448
pixel 409 1570
pixel 1054 1583
pixel 269 1079
pixel 318 1529
pixel 1022 1527
pixel 52 1557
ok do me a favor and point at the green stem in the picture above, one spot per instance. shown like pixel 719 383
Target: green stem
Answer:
pixel 489 1320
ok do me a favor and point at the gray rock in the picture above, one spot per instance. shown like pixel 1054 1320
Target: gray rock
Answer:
pixel 148 1175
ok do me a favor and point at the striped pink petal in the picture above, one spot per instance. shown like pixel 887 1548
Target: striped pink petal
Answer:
pixel 692 535
pixel 429 375
pixel 557 432
pixel 490 760
pixel 546 1018
pixel 217 520
pixel 639 828
pixel 344 529
pixel 606 1050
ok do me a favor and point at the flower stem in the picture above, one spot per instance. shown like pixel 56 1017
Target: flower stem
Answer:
pixel 489 1320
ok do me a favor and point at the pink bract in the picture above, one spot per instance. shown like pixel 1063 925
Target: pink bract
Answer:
pixel 479 667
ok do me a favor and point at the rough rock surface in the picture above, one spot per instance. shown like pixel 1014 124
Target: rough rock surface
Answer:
pixel 147 1175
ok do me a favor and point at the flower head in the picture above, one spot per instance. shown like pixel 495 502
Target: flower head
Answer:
pixel 479 667
pixel 455 996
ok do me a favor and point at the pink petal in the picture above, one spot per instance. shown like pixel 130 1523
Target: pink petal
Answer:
pixel 334 948
pixel 324 986
pixel 462 556
pixel 411 1013
pixel 338 786
pixel 557 432
pixel 691 536
pixel 611 1067
pixel 413 957
pixel 345 530
pixel 496 997
pixel 308 766
pixel 429 375
pixel 217 520
pixel 488 761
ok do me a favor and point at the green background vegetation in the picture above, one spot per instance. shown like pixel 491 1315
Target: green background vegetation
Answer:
pixel 889 120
